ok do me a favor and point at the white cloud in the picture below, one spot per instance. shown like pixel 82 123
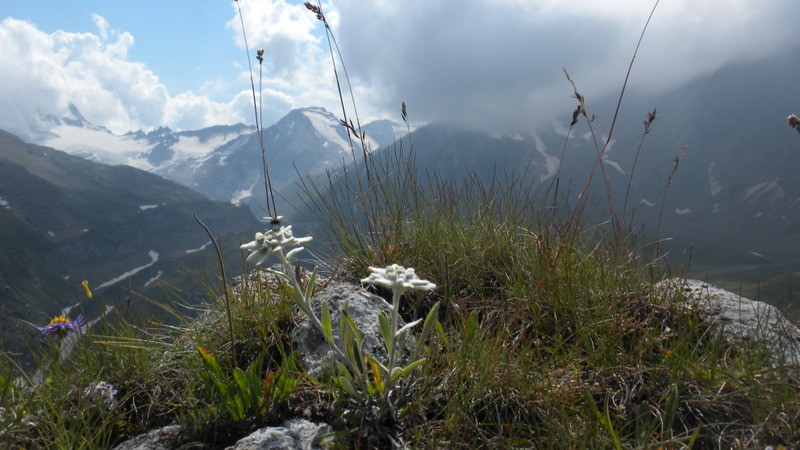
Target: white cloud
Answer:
pixel 188 111
pixel 294 60
pixel 499 62
pixel 102 26
pixel 296 57
pixel 283 29
pixel 43 73
pixel 491 63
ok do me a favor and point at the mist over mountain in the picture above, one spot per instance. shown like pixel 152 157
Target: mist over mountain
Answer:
pixel 734 197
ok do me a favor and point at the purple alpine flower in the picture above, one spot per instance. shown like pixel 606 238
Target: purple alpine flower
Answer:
pixel 61 326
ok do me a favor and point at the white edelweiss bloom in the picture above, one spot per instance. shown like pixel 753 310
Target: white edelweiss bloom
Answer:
pixel 259 249
pixel 265 244
pixel 397 278
pixel 284 237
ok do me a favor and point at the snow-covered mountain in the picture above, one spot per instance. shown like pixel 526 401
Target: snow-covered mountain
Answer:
pixel 73 134
pixel 224 162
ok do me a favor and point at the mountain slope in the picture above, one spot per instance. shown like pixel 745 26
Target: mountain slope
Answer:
pixel 65 219
pixel 735 197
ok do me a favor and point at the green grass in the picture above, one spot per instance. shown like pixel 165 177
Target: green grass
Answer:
pixel 552 335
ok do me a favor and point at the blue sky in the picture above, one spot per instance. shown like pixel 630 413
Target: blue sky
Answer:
pixel 187 43
pixel 131 65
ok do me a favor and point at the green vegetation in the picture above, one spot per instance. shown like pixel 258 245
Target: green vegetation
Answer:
pixel 547 337
pixel 545 329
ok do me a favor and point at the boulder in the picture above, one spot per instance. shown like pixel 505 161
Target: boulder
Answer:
pixel 315 353
pixel 744 320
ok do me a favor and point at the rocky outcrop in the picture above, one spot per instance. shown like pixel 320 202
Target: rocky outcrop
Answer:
pixel 743 320
pixel 315 352
pixel 316 355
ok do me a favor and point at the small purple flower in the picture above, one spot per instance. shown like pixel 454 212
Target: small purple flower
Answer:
pixel 61 326
pixel 103 390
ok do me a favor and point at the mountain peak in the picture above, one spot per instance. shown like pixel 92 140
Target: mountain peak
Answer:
pixel 75 118
pixel 315 109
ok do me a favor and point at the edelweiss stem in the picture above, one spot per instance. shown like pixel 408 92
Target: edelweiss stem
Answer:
pixel 270 195
pixel 392 345
pixel 306 306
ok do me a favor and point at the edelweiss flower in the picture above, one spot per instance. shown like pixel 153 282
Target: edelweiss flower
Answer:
pixel 273 241
pixel 398 279
pixel 61 326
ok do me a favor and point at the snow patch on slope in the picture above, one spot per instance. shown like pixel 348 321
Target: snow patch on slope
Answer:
pixel 198 249
pixel 153 259
pixel 551 163
pixel 329 130
pixel 242 194
pixel 154 279
pixel 713 184
pixel 193 147
pixel 97 145
pixel 325 127
pixel 613 164
pixel 772 188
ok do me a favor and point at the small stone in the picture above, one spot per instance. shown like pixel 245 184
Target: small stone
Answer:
pixel 298 434
pixel 166 438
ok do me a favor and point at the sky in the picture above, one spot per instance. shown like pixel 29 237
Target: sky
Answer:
pixel 496 64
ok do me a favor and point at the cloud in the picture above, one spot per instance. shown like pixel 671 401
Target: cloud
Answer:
pixel 43 73
pixel 296 62
pixel 499 63
pixel 188 111
pixel 495 64
pixel 283 29
pixel 102 26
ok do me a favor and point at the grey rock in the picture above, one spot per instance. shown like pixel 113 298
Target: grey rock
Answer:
pixel 166 438
pixel 741 319
pixel 315 353
pixel 292 434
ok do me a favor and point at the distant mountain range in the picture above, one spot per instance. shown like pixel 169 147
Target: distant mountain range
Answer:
pixel 733 201
pixel 731 213
pixel 224 162
pixel 735 198
pixel 64 219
